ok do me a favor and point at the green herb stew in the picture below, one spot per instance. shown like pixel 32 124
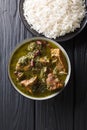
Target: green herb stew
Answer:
pixel 38 68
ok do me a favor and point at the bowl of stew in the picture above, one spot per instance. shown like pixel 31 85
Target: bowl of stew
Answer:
pixel 39 68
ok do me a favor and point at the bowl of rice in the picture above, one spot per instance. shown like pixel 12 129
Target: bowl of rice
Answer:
pixel 60 20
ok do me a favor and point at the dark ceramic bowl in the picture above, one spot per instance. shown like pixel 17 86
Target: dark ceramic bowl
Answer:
pixel 59 39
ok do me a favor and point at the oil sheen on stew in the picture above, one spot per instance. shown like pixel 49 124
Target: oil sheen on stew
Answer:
pixel 38 68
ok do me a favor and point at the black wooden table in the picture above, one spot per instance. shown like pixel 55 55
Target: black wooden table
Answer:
pixel 67 111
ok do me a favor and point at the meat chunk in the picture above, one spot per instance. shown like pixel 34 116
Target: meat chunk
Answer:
pixel 44 60
pixel 61 59
pixel 26 68
pixel 29 89
pixel 53 83
pixel 55 52
pixel 58 54
pixel 29 82
pixel 60 67
pixel 39 42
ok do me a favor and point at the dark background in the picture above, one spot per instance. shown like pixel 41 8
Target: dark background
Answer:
pixel 67 111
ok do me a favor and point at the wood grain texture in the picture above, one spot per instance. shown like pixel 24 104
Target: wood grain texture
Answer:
pixel 80 55
pixel 16 112
pixel 67 111
pixel 57 113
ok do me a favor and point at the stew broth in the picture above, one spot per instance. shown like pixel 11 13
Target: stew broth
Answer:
pixel 38 68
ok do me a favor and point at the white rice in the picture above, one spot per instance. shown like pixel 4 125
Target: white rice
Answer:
pixel 54 18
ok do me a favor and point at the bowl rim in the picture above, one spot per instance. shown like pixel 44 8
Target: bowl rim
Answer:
pixel 65 54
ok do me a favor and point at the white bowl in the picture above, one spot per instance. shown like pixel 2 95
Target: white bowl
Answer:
pixel 67 78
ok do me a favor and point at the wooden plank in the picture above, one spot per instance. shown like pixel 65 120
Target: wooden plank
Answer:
pixel 16 112
pixel 80 55
pixel 57 113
